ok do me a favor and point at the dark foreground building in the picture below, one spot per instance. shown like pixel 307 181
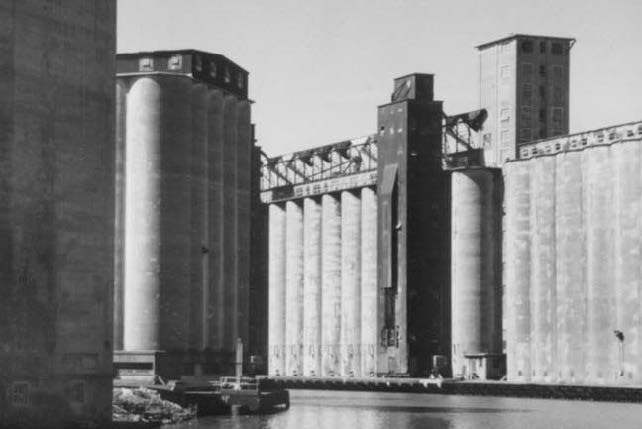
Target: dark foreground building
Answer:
pixel 57 68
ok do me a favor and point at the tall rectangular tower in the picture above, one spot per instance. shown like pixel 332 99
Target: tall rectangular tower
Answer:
pixel 413 229
pixel 524 86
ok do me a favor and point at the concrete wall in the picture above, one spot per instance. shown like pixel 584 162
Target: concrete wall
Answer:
pixel 183 221
pixel 57 151
pixel 572 251
pixel 322 285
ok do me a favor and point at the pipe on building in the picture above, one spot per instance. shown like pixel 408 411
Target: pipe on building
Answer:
pixel 293 288
pixel 369 295
pixel 350 284
pixel 476 277
pixel 276 290
pixel 331 284
pixel 312 287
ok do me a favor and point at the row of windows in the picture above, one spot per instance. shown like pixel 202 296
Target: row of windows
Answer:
pixel 528 47
pixel 176 63
pixel 528 69
pixel 559 94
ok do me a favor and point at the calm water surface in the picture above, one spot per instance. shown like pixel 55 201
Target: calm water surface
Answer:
pixel 311 409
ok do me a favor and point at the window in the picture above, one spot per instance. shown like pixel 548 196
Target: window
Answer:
pixel 146 64
pixel 227 75
pixel 504 72
pixel 213 69
pixel 504 116
pixel 542 70
pixel 240 81
pixel 558 96
pixel 527 46
pixel 558 72
pixel 542 47
pixel 542 92
pixel 527 94
pixel 504 138
pixel 527 71
pixel 175 62
pixel 20 393
pixel 525 135
pixel 558 117
pixel 77 392
pixel 556 48
pixel 198 63
pixel 542 115
pixel 526 116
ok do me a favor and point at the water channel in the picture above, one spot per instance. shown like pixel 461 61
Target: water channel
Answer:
pixel 312 409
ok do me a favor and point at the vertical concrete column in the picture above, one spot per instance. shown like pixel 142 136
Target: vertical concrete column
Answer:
pixel 475 271
pixel 199 235
pixel 243 184
pixel 570 270
pixel 330 284
pixel 543 263
pixel 627 210
pixel 350 284
pixel 312 287
pixel 213 299
pixel 142 217
pixel 293 288
pixel 227 316
pixel 175 211
pixel 517 263
pixel 369 296
pixel 598 176
pixel 276 290
pixel 119 211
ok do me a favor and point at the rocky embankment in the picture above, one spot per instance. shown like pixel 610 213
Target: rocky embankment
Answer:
pixel 145 405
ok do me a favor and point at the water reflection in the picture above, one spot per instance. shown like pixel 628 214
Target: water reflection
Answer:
pixel 376 410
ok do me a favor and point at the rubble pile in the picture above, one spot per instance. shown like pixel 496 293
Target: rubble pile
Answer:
pixel 146 405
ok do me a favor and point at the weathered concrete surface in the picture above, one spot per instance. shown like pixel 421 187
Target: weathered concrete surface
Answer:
pixel 311 287
pixel 57 150
pixel 119 212
pixel 369 294
pixel 276 291
pixel 293 288
pixel 476 275
pixel 572 246
pixel 331 284
pixel 350 284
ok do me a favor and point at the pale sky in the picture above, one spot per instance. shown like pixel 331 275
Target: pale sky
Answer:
pixel 319 69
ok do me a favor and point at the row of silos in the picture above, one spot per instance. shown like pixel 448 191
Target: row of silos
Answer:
pixel 573 243
pixel 182 215
pixel 322 285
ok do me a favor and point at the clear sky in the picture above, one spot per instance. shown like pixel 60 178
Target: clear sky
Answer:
pixel 318 69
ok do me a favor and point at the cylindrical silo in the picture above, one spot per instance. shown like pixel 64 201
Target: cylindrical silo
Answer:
pixel 213 302
pixel 243 172
pixel 227 317
pixel 517 262
pixel 330 284
pixel 119 212
pixel 293 288
pixel 476 279
pixel 369 298
pixel 311 287
pixel 350 284
pixel 570 270
pixel 198 217
pixel 598 203
pixel 627 246
pixel 176 137
pixel 276 290
pixel 142 218
pixel 543 264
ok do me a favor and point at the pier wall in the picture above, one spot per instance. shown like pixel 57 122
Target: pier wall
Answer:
pixel 572 273
pixel 57 161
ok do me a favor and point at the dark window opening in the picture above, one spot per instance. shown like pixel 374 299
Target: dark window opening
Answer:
pixel 542 70
pixel 542 47
pixel 556 48
pixel 527 46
